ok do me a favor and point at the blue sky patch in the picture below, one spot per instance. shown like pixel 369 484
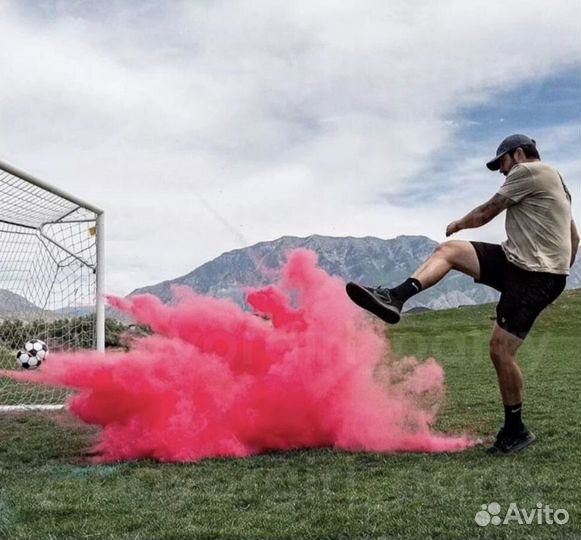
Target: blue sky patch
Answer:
pixel 551 101
pixel 535 109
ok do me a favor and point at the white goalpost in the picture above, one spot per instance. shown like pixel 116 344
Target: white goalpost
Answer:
pixel 51 279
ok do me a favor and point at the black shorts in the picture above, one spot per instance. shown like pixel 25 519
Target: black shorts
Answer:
pixel 524 294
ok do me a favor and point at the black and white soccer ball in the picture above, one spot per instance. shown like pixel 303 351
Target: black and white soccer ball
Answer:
pixel 34 353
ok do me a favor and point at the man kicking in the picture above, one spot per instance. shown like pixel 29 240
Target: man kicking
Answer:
pixel 529 269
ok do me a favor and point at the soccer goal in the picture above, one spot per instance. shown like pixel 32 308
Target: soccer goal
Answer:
pixel 51 279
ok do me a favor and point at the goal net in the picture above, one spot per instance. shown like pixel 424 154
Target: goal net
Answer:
pixel 51 278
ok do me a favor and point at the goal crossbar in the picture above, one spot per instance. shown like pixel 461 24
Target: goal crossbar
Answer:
pixel 44 185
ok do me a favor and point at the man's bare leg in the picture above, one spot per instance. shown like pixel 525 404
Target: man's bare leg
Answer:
pixel 514 435
pixel 451 255
pixel 387 304
pixel 503 353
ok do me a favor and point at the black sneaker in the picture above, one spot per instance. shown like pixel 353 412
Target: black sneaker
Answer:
pixel 509 443
pixel 378 301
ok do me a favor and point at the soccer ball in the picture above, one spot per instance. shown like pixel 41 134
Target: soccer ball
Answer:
pixel 34 353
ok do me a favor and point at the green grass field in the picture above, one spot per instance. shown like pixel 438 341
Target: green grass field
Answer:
pixel 48 491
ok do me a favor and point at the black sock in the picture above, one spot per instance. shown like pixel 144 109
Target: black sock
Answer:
pixel 512 418
pixel 407 289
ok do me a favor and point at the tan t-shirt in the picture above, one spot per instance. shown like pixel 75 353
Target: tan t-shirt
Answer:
pixel 538 224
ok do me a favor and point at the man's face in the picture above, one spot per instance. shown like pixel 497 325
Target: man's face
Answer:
pixel 507 162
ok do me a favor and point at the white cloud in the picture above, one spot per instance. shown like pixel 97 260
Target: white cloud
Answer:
pixel 200 127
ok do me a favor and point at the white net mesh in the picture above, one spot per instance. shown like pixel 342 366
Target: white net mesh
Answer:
pixel 48 261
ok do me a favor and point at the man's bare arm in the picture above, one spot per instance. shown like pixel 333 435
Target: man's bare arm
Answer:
pixel 486 212
pixel 574 242
pixel 481 215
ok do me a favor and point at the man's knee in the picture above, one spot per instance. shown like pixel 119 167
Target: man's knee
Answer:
pixel 496 352
pixel 451 250
pixel 501 353
pixel 447 249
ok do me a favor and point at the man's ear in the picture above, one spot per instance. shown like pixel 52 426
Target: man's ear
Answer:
pixel 519 155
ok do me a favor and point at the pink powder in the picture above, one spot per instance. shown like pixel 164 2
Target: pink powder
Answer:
pixel 313 370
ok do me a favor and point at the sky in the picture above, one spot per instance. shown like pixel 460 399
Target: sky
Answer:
pixel 206 126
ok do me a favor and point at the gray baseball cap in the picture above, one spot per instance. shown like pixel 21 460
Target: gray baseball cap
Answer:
pixel 512 142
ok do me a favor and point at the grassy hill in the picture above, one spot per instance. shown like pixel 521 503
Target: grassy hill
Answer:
pixel 48 491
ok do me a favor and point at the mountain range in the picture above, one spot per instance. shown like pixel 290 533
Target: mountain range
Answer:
pixel 367 260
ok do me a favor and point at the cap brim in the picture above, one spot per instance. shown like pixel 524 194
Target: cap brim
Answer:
pixel 494 164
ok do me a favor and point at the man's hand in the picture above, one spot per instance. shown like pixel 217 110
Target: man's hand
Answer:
pixel 454 227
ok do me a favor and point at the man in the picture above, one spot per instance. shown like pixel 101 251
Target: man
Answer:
pixel 529 268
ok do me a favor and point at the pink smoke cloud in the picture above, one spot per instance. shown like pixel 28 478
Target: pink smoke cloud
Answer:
pixel 312 370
